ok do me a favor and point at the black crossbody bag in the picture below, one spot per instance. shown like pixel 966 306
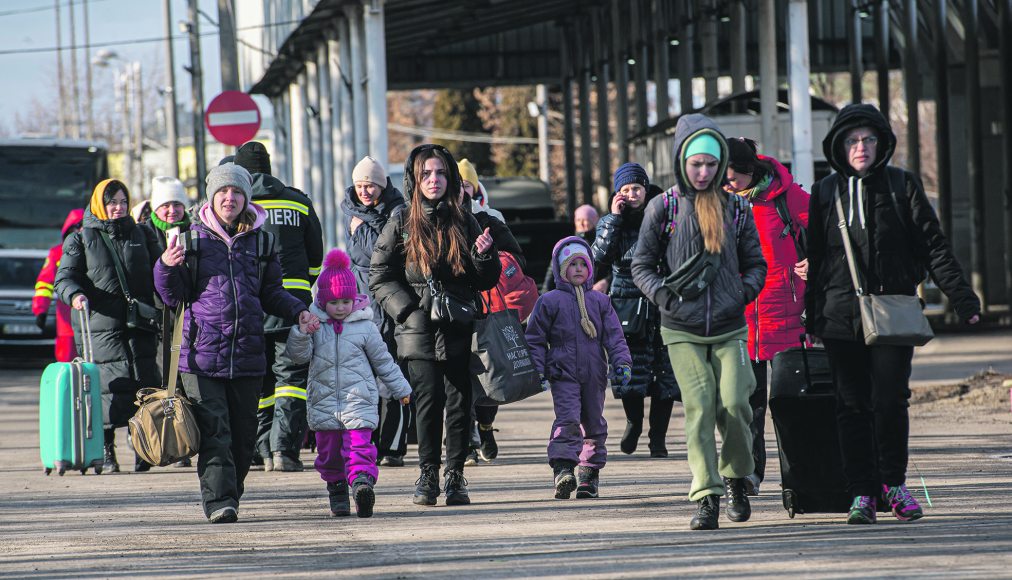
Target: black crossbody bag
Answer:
pixel 140 316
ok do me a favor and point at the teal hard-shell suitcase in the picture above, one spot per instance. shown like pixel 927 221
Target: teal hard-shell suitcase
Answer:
pixel 70 413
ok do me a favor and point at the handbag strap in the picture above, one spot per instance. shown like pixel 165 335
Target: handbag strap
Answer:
pixel 848 248
pixel 177 340
pixel 119 266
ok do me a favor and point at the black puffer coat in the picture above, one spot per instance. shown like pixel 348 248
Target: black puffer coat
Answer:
pixel 361 243
pixel 125 357
pixel 401 287
pixel 721 307
pixel 897 249
pixel 613 248
pixel 296 228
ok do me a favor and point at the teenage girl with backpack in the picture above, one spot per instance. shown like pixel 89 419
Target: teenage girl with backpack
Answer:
pixel 708 240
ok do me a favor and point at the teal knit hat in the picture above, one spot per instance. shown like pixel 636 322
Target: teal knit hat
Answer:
pixel 703 143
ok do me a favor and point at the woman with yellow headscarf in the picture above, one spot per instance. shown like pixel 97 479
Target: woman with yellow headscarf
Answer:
pixel 87 279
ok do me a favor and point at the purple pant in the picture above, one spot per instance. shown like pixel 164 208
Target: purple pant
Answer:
pixel 579 431
pixel 343 455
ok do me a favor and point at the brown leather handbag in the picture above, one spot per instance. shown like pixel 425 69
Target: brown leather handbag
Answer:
pixel 164 430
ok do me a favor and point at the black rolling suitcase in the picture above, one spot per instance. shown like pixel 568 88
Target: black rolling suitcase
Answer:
pixel 803 406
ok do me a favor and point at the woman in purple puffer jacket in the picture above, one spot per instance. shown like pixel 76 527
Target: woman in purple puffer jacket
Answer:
pixel 218 276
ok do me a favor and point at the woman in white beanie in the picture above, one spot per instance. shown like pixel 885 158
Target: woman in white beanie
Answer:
pixel 169 203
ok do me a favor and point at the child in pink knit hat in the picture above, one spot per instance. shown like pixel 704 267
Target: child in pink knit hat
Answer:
pixel 349 369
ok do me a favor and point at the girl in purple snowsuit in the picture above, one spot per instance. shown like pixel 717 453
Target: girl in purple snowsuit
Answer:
pixel 573 335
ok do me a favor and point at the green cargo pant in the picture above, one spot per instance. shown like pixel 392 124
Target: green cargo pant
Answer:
pixel 716 382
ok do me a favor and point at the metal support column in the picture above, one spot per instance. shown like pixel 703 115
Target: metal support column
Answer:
pixel 327 191
pixel 942 126
pixel 739 35
pixel 376 77
pixel 638 57
pixel 171 126
pixel 801 102
pixel 686 55
pixel 1005 52
pixel 544 164
pixel 662 59
pixel 228 47
pixel 340 178
pixel 912 87
pixel 137 100
pixel 197 97
pixel 583 70
pixel 708 40
pixel 768 96
pixel 62 111
pixel 298 131
pixel 974 153
pixel 567 115
pixel 315 140
pixel 856 45
pixel 601 70
pixel 280 155
pixel 882 53
pixel 621 73
pixel 359 104
pixel 346 140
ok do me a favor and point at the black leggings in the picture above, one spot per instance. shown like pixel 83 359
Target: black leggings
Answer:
pixel 440 385
pixel 872 398
pixel 758 402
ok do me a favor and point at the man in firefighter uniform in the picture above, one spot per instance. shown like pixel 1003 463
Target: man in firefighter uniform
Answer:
pixel 65 349
pixel 299 237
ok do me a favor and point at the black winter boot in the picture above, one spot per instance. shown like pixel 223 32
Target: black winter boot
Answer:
pixel 456 488
pixel 707 512
pixel 365 497
pixel 110 465
pixel 565 480
pixel 427 486
pixel 587 484
pixel 140 465
pixel 738 508
pixel 339 503
pixel 489 449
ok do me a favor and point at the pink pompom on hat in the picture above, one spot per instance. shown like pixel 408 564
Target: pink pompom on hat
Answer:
pixel 336 282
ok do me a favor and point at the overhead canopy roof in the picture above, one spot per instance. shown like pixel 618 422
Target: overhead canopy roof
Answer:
pixel 466 43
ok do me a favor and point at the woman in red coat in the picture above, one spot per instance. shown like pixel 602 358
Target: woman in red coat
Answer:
pixel 780 208
pixel 65 350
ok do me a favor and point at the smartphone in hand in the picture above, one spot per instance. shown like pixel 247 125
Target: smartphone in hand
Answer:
pixel 172 236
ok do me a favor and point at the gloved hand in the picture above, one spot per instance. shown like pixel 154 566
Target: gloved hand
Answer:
pixel 545 385
pixel 40 320
pixel 621 375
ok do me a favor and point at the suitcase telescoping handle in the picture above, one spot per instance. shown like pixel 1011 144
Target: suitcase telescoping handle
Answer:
pixel 85 315
pixel 804 360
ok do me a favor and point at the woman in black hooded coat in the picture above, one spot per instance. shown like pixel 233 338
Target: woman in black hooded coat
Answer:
pixel 617 235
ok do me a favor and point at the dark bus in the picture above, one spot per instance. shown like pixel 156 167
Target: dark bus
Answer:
pixel 41 180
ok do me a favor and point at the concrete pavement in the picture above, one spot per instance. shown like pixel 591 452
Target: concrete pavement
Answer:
pixel 151 524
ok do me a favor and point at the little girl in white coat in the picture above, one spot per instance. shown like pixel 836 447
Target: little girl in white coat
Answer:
pixel 350 368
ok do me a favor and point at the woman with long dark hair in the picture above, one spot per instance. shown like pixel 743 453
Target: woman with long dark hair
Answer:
pixel 433 246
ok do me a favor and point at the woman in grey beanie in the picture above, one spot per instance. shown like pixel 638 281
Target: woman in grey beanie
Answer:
pixel 227 276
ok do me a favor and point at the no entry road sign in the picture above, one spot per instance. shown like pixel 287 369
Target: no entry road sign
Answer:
pixel 233 118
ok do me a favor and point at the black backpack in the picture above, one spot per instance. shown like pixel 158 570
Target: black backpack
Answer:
pixel 800 236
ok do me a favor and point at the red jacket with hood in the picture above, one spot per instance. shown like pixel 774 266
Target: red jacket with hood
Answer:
pixel 65 350
pixel 774 318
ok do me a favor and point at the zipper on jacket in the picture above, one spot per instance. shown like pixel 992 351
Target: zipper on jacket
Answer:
pixel 790 278
pixel 235 302
pixel 757 329
pixel 337 367
pixel 707 311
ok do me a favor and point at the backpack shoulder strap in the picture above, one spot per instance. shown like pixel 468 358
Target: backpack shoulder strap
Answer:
pixel 190 243
pixel 897 189
pixel 265 248
pixel 670 211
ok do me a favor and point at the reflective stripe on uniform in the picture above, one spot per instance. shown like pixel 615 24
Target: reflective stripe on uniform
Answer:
pixel 267 402
pixel 296 284
pixel 43 286
pixel 315 271
pixel 290 391
pixel 283 204
pixel 43 293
